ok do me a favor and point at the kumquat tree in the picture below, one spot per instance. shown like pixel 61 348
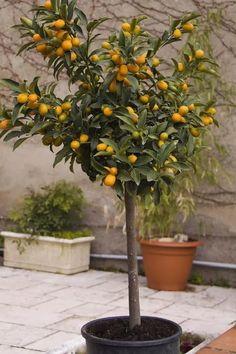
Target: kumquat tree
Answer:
pixel 130 124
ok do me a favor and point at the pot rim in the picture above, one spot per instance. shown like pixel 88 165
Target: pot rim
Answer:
pixel 120 343
pixel 186 244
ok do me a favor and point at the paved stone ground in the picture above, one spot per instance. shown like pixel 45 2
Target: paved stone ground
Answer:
pixel 40 311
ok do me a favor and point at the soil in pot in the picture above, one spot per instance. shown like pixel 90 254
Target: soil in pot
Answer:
pixel 112 335
pixel 150 329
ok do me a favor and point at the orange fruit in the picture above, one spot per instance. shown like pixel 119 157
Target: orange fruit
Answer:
pixel 73 56
pixel 177 33
pixel 161 143
pixel 155 62
pixel 41 48
pixel 22 98
pixel 188 27
pixel 173 158
pixel 162 85
pixel 126 27
pixel 127 82
pixel 36 37
pixel 180 67
pixel 60 52
pixel 101 147
pixel 48 4
pixel 83 138
pixel 66 45
pixel 33 105
pixel 32 97
pixel 113 171
pixel 176 118
pixel 59 24
pixel 207 120
pixel 144 99
pixel 119 77
pixel 184 87
pixel 116 58
pixel 132 158
pixel 58 110
pixel 140 60
pixel 43 109
pixel 191 107
pixel 106 45
pixel 123 70
pixel 57 141
pixel 137 29
pixel 183 110
pixel 62 117
pixel 109 180
pixel 113 87
pixel 133 68
pixel 155 107
pixel 47 140
pixel 211 110
pixel 130 109
pixel 5 124
pixel 110 150
pixel 75 144
pixel 61 34
pixel 66 106
pixel 195 132
pixel 136 135
pixel 75 42
pixel 199 54
pixel 107 111
pixel 95 58
pixel 164 136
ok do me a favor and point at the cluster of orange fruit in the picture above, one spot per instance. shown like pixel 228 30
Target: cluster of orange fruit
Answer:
pixel 32 101
pixel 105 148
pixel 75 144
pixel 61 42
pixel 110 178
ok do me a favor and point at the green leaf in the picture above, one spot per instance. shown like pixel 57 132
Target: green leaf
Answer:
pixel 143 160
pixel 124 176
pixel 190 145
pixel 11 84
pixel 94 24
pixel 136 176
pixel 18 143
pixel 98 166
pixel 166 150
pixel 16 111
pixel 61 154
pixel 71 7
pixel 110 143
pixel 157 194
pixel 12 135
pixel 142 119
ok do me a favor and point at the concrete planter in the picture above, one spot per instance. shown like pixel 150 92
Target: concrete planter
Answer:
pixel 47 254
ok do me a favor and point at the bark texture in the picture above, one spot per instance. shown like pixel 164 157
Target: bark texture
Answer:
pixel 134 306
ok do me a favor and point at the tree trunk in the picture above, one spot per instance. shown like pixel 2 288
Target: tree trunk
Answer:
pixel 134 306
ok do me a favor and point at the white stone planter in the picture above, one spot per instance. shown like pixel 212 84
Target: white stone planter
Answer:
pixel 47 254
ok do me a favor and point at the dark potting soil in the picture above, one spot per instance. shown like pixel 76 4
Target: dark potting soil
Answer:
pixel 150 329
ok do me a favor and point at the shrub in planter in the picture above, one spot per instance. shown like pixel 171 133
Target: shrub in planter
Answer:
pixel 43 237
pixel 167 256
pixel 126 118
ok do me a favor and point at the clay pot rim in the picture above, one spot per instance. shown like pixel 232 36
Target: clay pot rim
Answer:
pixel 156 243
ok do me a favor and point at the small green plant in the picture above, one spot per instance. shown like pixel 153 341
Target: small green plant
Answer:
pixel 52 211
pixel 189 341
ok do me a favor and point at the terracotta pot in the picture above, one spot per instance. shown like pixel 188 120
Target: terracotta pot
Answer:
pixel 168 265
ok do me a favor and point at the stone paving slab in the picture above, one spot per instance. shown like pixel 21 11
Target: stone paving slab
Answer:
pixel 40 311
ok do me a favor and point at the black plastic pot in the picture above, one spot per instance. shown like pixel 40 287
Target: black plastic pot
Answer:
pixel 96 345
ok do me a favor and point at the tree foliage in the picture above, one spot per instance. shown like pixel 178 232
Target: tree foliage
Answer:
pixel 123 102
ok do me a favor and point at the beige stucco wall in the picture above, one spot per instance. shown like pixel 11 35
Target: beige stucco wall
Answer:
pixel 31 165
